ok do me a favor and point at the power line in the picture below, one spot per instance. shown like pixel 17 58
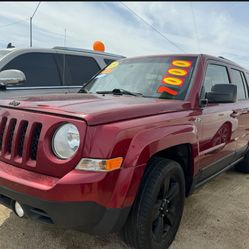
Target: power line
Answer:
pixel 195 28
pixel 36 9
pixel 13 23
pixel 166 38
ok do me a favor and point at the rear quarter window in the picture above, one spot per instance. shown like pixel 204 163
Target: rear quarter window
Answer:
pixel 238 80
pixel 108 61
pixel 81 69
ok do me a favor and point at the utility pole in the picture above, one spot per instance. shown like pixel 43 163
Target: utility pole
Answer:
pixel 30 22
pixel 65 37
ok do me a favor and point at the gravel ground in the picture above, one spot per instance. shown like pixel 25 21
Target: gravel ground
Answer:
pixel 216 216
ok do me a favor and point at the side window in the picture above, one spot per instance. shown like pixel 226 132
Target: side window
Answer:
pixel 39 68
pixel 237 79
pixel 216 74
pixel 245 83
pixel 82 69
pixel 108 61
pixel 247 79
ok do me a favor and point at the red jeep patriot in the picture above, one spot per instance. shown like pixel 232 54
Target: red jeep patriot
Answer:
pixel 126 150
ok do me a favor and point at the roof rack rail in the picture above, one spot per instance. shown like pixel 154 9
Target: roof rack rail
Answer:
pixel 224 58
pixel 87 51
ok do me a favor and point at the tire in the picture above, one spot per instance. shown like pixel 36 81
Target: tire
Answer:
pixel 157 211
pixel 243 166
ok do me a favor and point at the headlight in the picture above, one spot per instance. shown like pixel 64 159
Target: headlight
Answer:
pixel 66 141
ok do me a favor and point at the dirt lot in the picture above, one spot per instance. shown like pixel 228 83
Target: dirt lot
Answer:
pixel 215 217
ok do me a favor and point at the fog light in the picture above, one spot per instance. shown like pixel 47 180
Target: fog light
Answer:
pixel 18 209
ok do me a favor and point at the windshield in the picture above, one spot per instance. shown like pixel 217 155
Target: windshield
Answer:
pixel 3 53
pixel 155 77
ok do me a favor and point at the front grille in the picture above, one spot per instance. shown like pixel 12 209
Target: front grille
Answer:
pixel 14 134
pixel 25 141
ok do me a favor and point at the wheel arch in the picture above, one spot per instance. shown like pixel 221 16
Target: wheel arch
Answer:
pixel 184 155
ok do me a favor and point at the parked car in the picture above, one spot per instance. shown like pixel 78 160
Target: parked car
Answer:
pixel 55 70
pixel 124 152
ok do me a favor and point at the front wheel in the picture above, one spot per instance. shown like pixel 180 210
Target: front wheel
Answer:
pixel 157 211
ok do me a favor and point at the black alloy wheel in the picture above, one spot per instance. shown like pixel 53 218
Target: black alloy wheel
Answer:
pixel 156 213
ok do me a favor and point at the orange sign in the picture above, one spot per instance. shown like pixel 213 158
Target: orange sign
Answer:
pixel 178 71
pixel 175 77
pixel 172 81
pixel 162 89
pixel 181 63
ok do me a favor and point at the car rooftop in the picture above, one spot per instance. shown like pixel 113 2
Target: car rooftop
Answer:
pixel 220 58
pixel 68 49
pixel 87 51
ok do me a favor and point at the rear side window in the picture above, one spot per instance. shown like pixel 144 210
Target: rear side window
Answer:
pixel 238 80
pixel 216 74
pixel 247 78
pixel 81 68
pixel 108 61
pixel 40 69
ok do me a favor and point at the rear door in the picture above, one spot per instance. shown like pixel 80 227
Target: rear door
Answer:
pixel 241 111
pixel 76 70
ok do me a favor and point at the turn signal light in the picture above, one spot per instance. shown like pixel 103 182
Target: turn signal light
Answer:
pixel 100 164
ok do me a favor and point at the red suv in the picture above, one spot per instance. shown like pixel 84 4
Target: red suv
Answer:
pixel 126 150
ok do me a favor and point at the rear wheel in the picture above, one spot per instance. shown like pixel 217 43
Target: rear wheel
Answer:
pixel 157 211
pixel 243 166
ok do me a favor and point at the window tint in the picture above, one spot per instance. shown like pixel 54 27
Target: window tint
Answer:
pixel 81 68
pixel 39 68
pixel 247 77
pixel 154 77
pixel 108 61
pixel 245 83
pixel 237 79
pixel 215 74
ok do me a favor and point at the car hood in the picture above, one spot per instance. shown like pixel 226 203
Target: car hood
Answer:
pixel 96 108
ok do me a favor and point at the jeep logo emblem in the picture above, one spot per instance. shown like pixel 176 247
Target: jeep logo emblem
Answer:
pixel 14 103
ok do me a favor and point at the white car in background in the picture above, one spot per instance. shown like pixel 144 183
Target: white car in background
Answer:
pixel 55 70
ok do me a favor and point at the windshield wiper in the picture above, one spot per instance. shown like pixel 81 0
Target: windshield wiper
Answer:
pixel 119 91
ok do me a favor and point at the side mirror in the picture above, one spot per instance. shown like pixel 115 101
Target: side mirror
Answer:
pixel 11 77
pixel 222 93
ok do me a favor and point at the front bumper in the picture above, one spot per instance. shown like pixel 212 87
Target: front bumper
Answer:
pixel 89 201
pixel 85 216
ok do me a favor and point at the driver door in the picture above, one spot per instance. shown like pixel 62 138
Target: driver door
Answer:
pixel 217 144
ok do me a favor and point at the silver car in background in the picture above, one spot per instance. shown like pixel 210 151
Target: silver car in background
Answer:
pixel 55 70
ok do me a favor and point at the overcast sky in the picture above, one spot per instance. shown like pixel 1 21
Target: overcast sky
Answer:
pixel 222 28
